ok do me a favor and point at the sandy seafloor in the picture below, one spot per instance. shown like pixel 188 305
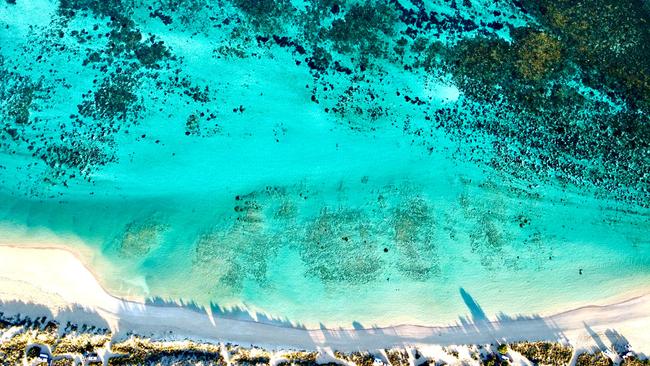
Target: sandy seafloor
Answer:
pixel 278 207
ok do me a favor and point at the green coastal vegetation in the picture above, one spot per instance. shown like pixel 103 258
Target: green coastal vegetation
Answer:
pixel 25 339
pixel 542 353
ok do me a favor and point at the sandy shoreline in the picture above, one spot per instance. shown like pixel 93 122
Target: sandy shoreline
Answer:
pixel 70 291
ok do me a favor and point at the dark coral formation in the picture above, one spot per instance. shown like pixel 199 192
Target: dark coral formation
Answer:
pixel 527 100
pixel 113 100
pixel 570 89
pixel 140 237
pixel 363 29
pixel 414 227
pixel 337 246
pixel 76 145
pixel 608 39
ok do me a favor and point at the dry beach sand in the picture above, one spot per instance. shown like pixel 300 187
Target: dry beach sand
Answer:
pixel 57 282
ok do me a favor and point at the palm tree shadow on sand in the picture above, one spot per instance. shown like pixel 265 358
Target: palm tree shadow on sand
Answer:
pixel 476 327
pixel 235 312
pixel 21 313
pixel 505 328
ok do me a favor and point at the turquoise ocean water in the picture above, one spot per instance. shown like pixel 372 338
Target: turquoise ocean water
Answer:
pixel 215 168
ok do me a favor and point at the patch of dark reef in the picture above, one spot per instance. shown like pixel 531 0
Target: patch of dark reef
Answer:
pixel 266 15
pixel 414 227
pixel 113 100
pixel 528 94
pixel 565 98
pixel 140 237
pixel 339 249
pixel 363 29
pixel 65 153
pixel 490 68
pixel 62 159
pixel 124 61
pixel 18 96
pixel 184 13
pixel 126 40
pixel 114 9
pixel 608 39
pixel 398 234
pixel 571 94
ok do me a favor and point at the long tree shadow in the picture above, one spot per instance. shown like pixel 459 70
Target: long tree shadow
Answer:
pixel 619 343
pixel 21 313
pixel 477 328
pixel 239 325
pixel 600 345
pixel 478 319
pixel 235 312
pixel 610 339
pixel 478 315
pixel 507 328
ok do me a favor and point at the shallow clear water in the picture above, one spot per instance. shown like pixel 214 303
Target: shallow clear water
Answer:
pixel 282 207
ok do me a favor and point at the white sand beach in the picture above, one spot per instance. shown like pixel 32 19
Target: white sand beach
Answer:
pixel 53 281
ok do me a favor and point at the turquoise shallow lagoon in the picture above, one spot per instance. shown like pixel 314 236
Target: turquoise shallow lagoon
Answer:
pixel 208 162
